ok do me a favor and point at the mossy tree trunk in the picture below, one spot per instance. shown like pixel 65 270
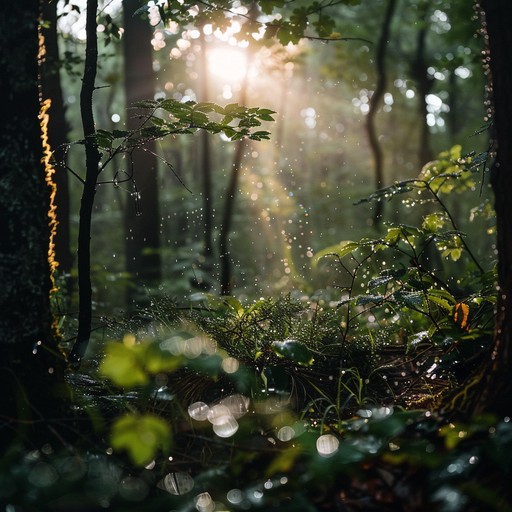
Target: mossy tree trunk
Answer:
pixel 30 364
pixel 496 385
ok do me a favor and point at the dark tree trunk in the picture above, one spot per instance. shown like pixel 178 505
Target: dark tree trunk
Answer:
pixel 375 101
pixel 496 385
pixel 141 215
pixel 453 117
pixel 226 271
pixel 30 363
pixel 424 85
pixel 206 163
pixel 57 136
pixel 92 161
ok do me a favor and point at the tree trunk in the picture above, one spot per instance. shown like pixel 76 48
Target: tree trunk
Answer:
pixel 226 272
pixel 496 385
pixel 375 100
pixel 57 136
pixel 30 363
pixel 206 164
pixel 141 215
pixel 92 161
pixel 424 85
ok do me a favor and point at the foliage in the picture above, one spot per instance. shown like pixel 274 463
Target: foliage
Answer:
pixel 238 405
pixel 185 118
pixel 302 19
pixel 321 403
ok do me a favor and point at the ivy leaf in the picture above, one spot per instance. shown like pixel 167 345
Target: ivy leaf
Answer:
pixel 294 351
pixel 141 436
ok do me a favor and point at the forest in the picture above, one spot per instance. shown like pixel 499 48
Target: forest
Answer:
pixel 256 255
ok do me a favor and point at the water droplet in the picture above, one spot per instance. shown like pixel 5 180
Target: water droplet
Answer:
pixel 176 483
pixel 327 445
pixel 235 496
pixel 286 434
pixel 226 426
pixel 199 411
pixel 204 502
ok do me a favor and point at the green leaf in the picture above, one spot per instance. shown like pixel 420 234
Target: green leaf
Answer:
pixel 120 134
pixel 123 365
pixel 294 351
pixel 382 279
pixel 433 222
pixel 393 236
pixel 364 300
pixel 146 104
pixel 409 299
pixel 267 6
pixel 157 360
pixel 442 298
pixel 141 436
pixel 234 304
pixel 340 250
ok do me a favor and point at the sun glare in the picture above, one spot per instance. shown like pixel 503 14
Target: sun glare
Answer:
pixel 229 64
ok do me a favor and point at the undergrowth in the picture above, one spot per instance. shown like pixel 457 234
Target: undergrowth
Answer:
pixel 352 400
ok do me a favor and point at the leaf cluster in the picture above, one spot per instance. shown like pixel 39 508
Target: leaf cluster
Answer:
pixel 163 118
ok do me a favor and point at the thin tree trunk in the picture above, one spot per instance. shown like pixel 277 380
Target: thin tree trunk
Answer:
pixel 92 161
pixel 226 272
pixel 206 164
pixel 424 85
pixel 375 101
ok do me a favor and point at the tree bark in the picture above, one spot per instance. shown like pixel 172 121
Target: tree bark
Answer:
pixel 57 136
pixel 496 384
pixel 30 363
pixel 141 215
pixel 226 272
pixel 206 163
pixel 375 101
pixel 92 161
pixel 424 85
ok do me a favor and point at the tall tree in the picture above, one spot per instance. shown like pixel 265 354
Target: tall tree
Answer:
pixel 496 384
pixel 92 171
pixel 57 134
pixel 206 163
pixel 31 365
pixel 375 100
pixel 141 215
pixel 424 83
